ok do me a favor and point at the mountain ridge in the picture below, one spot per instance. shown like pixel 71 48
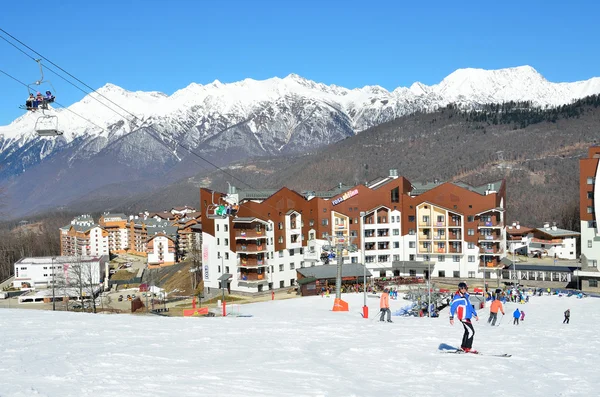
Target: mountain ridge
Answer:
pixel 230 122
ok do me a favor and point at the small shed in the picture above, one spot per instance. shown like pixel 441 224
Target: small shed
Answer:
pixel 308 286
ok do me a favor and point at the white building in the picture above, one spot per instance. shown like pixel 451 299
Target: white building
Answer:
pixel 83 237
pixel 36 272
pixel 547 241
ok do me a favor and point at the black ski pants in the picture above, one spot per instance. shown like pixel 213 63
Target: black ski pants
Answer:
pixel 566 320
pixel 492 319
pixel 467 340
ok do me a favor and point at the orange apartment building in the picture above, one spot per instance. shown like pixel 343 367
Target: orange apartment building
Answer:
pixel 448 229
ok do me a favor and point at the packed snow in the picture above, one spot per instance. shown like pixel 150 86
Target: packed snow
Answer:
pixel 299 347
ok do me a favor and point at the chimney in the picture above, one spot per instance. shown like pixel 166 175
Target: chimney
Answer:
pixel 554 227
pixel 518 225
pixel 546 225
pixel 393 172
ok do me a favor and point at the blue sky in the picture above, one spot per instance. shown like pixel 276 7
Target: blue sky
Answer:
pixel 145 45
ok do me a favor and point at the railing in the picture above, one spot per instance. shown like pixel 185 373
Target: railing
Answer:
pixel 440 224
pixel 488 264
pixel 243 276
pixel 251 262
pixel 250 233
pixel 423 250
pixel 425 223
pixel 455 250
pixel 250 248
pixel 489 224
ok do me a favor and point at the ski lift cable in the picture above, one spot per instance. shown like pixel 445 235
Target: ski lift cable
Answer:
pixel 99 94
pixel 108 99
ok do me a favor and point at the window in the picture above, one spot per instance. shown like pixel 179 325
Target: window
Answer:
pixel 292 281
pixel 471 258
pixel 396 257
pixel 227 255
pixel 225 228
pixel 411 232
pixel 280 225
pixel 291 252
pixel 218 241
pixel 590 210
pixel 441 258
pixel 426 258
pixel 411 218
pixel 591 180
pixel 593 263
pixel 396 232
pixel 292 266
pixel 440 218
pixel 441 273
pixel 411 244
pixel 397 244
pixel 280 240
pixel 590 195
pixel 426 219
pixel 395 195
pixel 470 218
pixel 217 227
pixel 411 257
pixel 281 284
pixel 280 268
pixel 311 222
pixel 281 253
pixel 470 246
pixel 471 232
pixel 456 274
pixel 226 269
pixel 455 258
pixel 594 283
pixel 226 241
pixel 589 244
pixel 353 233
pixel 219 269
pixel 325 222
pixel 591 224
pixel 471 275
pixel 354 259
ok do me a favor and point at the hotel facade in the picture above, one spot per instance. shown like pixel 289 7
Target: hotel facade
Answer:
pixel 446 230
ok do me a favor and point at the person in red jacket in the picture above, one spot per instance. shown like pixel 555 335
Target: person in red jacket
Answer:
pixel 384 305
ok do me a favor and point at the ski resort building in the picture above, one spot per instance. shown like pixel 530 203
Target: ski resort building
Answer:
pixel 546 241
pixel 446 230
pixel 83 237
pixel 589 207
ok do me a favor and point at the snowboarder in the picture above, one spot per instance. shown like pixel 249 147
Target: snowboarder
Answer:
pixel 494 308
pixel 461 307
pixel 384 304
pixel 567 316
pixel 516 316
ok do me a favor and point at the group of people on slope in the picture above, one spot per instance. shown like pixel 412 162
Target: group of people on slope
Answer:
pixel 33 102
pixel 464 311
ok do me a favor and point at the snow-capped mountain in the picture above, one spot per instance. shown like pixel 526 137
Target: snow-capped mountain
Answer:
pixel 115 129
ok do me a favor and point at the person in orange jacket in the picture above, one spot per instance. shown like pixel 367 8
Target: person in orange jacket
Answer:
pixel 494 308
pixel 384 305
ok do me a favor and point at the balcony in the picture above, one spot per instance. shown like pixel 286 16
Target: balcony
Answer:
pixel 454 224
pixel 251 262
pixel 422 236
pixel 491 251
pixel 455 236
pixel 493 264
pixel 489 237
pixel 424 250
pixel 251 248
pixel 439 237
pixel 424 223
pixel 251 276
pixel 439 224
pixel 453 250
pixel 440 250
pixel 490 224
pixel 249 234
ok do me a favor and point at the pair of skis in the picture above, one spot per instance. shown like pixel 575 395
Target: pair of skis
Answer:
pixel 444 348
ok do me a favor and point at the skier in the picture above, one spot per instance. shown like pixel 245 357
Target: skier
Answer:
pixel 522 315
pixel 384 304
pixel 461 307
pixel 567 316
pixel 494 307
pixel 516 316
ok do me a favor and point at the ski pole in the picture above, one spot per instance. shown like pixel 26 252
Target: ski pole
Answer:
pixel 500 320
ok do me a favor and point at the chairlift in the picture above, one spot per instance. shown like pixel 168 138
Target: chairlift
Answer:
pixel 47 125
pixel 31 89
pixel 218 210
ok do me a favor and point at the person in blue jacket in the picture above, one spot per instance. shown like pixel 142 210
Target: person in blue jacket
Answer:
pixel 516 316
pixel 462 308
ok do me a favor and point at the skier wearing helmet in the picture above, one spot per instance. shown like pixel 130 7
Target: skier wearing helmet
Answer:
pixel 462 308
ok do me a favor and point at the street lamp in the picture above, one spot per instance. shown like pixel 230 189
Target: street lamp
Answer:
pixel 362 254
pixel 53 286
